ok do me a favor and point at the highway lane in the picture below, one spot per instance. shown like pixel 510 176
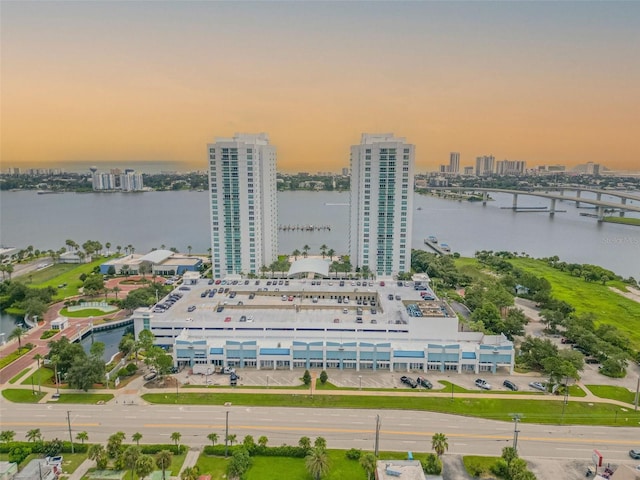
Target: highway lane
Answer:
pixel 343 428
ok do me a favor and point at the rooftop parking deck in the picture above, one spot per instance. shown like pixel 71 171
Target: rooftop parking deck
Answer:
pixel 298 301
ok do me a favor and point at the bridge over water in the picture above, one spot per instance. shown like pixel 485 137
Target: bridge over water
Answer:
pixel 600 204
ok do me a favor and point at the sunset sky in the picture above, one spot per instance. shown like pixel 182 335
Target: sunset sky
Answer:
pixel 545 82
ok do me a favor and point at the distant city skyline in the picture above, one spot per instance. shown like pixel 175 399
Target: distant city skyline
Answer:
pixel 105 83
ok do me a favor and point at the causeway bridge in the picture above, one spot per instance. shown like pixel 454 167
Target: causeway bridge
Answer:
pixel 555 194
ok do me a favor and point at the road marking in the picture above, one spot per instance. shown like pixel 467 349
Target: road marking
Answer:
pixel 48 424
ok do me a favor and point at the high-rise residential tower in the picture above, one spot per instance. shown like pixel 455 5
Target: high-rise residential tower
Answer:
pixel 381 215
pixel 485 165
pixel 454 163
pixel 244 213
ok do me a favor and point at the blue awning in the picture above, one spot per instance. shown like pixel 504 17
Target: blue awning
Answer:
pixel 274 351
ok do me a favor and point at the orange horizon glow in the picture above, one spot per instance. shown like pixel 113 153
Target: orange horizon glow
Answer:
pixel 113 82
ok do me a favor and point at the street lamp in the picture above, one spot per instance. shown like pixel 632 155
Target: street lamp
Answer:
pixel 57 382
pixel 226 434
pixel 360 379
pixel 267 381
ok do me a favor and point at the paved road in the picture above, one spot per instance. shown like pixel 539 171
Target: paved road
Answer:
pixel 343 428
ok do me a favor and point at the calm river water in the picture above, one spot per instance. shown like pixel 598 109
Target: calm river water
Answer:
pixel 179 219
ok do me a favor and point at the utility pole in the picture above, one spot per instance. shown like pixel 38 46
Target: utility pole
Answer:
pixel 516 419
pixel 226 435
pixel 70 436
pixel 377 441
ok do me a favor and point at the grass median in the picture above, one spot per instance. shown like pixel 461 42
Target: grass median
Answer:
pixel 19 395
pixel 614 393
pixel 88 398
pixel 547 410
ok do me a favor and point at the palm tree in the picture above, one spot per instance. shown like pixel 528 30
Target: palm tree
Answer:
pixel 231 438
pixel 130 457
pixel 82 436
pixel 175 436
pixel 108 245
pixel 98 453
pixel 323 250
pixel 317 463
pixel 330 253
pixel 119 249
pixel 17 332
pixel 37 357
pixel 136 437
pixel 320 442
pixel 214 438
pixel 305 250
pixel 163 461
pixel 296 254
pixel 7 436
pixel 144 465
pixel 9 270
pixel 115 290
pixel 34 435
pixel 190 473
pixel 262 441
pixel 368 462
pixel 439 443
pixel 189 248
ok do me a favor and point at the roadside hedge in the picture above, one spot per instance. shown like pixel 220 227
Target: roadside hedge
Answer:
pixel 257 450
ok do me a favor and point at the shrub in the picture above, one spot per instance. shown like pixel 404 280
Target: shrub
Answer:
pixel 353 454
pixel 131 368
pixel 324 377
pixel 18 454
pixel 500 469
pixel 52 447
pixel 432 465
pixel 152 449
pixel 48 334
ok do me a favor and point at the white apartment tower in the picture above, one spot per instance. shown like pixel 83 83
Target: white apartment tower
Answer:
pixel 244 212
pixel 454 163
pixel 485 165
pixel 381 215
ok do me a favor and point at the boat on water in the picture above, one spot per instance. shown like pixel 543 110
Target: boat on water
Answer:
pixel 46 192
pixel 444 247
pixel 419 208
pixel 432 239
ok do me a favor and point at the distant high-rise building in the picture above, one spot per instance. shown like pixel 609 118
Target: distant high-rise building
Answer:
pixel 454 163
pixel 467 171
pixel 130 181
pixel 345 171
pixel 510 167
pixel 485 165
pixel 244 213
pixel 103 181
pixel 381 215
pixel 593 169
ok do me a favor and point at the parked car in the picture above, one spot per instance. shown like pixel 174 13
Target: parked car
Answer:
pixel 243 318
pixel 220 308
pixel 408 381
pixel 538 386
pixel 635 453
pixel 191 308
pixel 423 382
pixel 510 385
pixel 483 384
pixel 150 376
pixel 227 319
pixel 57 460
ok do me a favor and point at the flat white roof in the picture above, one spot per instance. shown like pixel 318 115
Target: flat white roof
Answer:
pixel 312 265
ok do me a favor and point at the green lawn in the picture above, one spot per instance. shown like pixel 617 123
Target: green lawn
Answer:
pixel 17 395
pixel 547 411
pixel 590 297
pixel 71 461
pixel 214 466
pixel 12 357
pixel 86 312
pixel 477 466
pixel 90 398
pixel 62 273
pixel 277 468
pixel 43 375
pixel 614 393
pixel 19 376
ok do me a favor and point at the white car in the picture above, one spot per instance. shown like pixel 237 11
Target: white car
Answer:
pixel 483 384
pixel 538 386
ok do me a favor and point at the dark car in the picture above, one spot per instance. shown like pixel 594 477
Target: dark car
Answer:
pixel 210 281
pixel 423 382
pixel 510 385
pixel 220 308
pixel 635 453
pixel 408 381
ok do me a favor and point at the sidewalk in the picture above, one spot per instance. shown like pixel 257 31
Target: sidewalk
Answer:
pixel 82 469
